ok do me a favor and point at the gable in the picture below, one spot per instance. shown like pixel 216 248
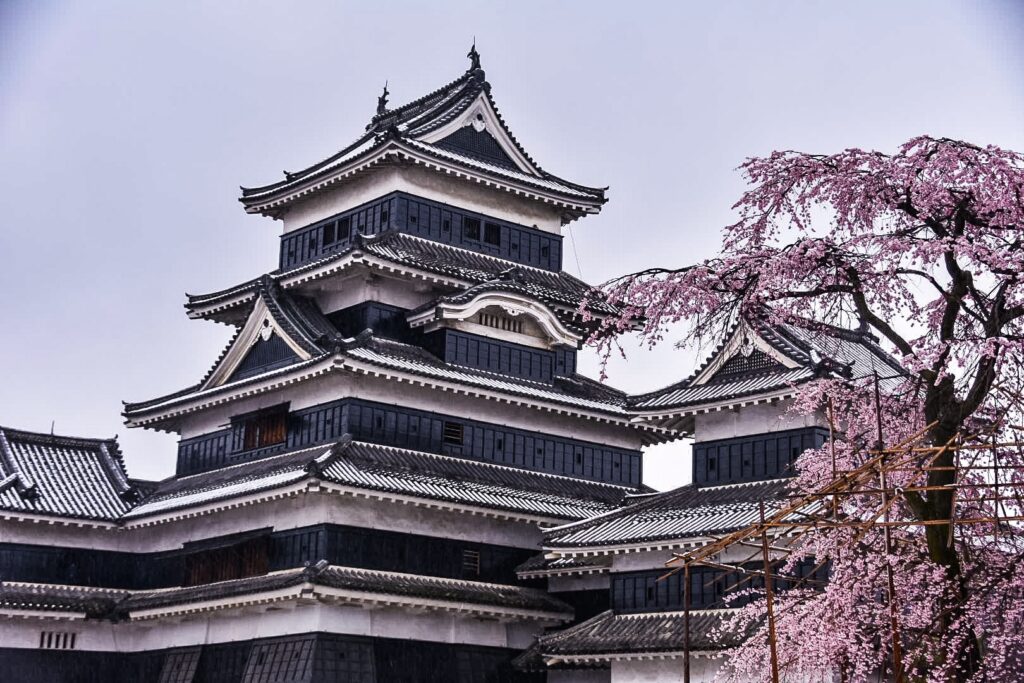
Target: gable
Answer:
pixel 746 361
pixel 266 354
pixel 478 144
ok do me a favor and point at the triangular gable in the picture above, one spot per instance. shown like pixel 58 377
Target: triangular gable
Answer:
pixel 261 345
pixel 266 354
pixel 479 145
pixel 480 117
pixel 746 352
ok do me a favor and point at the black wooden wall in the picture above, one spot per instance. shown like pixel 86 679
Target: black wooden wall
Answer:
pixel 338 544
pixel 425 218
pixel 424 431
pixel 753 458
pixel 709 587
pixel 302 658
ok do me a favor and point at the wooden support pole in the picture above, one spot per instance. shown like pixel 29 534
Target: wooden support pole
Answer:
pixel 769 597
pixel 897 650
pixel 686 623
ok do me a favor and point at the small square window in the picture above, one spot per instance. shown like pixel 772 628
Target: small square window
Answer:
pixel 492 234
pixel 384 216
pixel 446 225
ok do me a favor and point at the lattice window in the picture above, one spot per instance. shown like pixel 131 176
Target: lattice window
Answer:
pixel 57 640
pixel 737 366
pixel 265 430
pixel 500 322
pixel 180 667
pixel 452 434
pixel 471 563
pixel 277 662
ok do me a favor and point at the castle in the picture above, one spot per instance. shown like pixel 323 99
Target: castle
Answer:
pixel 393 472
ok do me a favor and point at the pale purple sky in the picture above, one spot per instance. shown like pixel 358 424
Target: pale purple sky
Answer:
pixel 127 127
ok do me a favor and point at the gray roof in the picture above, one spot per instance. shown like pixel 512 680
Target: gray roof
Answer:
pixel 824 351
pixel 685 512
pixel 302 320
pixel 100 603
pixel 558 289
pixel 394 470
pixel 407 125
pixel 661 632
pixel 63 476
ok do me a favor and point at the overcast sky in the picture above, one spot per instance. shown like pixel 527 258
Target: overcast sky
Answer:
pixel 127 127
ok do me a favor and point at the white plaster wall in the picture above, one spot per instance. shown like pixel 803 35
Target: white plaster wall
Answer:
pixel 757 419
pixel 640 561
pixel 361 284
pixel 304 509
pixel 581 676
pixel 235 625
pixel 586 582
pixel 702 670
pixel 338 385
pixel 423 183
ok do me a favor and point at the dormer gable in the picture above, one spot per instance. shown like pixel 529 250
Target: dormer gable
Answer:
pixel 746 353
pixel 281 330
pixel 492 310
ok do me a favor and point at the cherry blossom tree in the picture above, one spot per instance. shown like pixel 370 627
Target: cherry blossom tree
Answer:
pixel 923 248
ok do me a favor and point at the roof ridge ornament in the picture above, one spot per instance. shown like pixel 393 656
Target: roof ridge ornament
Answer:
pixel 475 70
pixel 382 101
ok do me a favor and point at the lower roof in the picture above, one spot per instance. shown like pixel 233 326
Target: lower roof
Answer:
pixel 398 471
pixel 44 474
pixel 611 633
pixel 686 512
pixel 358 585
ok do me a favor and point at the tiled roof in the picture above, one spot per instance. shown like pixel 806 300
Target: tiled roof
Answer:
pixel 577 391
pixel 557 289
pixel 409 124
pixel 541 565
pixel 398 471
pixel 302 320
pixel 685 512
pixel 40 597
pixel 114 604
pixel 822 352
pixel 61 476
pixel 661 632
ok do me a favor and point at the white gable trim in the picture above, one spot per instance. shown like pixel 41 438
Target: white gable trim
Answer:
pixel 735 345
pixel 482 117
pixel 261 325
pixel 512 304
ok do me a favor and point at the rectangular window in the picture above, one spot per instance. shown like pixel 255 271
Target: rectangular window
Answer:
pixel 470 563
pixel 470 228
pixel 329 234
pixel 452 434
pixel 249 558
pixel 265 430
pixel 492 234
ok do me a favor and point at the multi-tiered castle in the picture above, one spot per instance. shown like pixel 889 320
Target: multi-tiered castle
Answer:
pixel 394 472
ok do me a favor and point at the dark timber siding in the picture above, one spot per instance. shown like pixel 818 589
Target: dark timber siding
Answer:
pixel 753 458
pixel 428 219
pixel 425 431
pixel 302 658
pixel 709 587
pixel 506 358
pixel 338 544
